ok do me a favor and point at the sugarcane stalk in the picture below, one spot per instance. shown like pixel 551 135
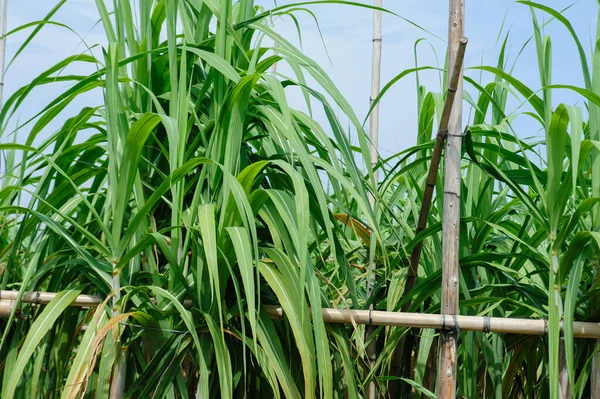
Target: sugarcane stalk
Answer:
pixel 117 382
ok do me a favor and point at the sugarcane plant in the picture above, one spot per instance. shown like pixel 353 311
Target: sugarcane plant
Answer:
pixel 192 180
pixel 529 238
pixel 192 194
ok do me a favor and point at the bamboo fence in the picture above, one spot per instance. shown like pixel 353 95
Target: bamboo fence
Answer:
pixel 449 322
pixel 367 317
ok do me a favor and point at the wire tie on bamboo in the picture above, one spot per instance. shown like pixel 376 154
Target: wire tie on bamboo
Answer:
pixel 486 324
pixel 453 330
pixel 37 297
pixel 456 328
pixel 444 330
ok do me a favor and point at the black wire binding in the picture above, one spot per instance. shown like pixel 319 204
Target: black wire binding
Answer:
pixel 454 330
pixel 486 324
pixel 36 297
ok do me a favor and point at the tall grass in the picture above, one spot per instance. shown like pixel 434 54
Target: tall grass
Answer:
pixel 194 180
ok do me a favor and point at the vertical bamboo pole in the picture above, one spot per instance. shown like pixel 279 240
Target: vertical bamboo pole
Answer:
pixel 401 358
pixel 594 126
pixel 375 84
pixel 374 136
pixel 451 222
pixel 2 45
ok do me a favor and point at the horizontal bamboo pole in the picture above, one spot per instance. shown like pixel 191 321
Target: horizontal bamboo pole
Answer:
pixel 436 321
pixel 375 317
pixel 43 298
pixel 6 307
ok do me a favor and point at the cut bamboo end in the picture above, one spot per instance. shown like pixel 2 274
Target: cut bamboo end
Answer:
pixel 6 308
pixel 375 317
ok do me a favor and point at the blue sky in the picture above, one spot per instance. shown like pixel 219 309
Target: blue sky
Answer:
pixel 347 33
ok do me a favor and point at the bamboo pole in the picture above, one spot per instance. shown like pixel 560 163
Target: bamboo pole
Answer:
pixel 3 15
pixel 371 350
pixel 375 84
pixel 6 307
pixel 413 268
pixel 451 218
pixel 376 317
pixel 43 298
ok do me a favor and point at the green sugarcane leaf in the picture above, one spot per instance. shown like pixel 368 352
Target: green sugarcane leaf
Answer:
pixel 38 330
